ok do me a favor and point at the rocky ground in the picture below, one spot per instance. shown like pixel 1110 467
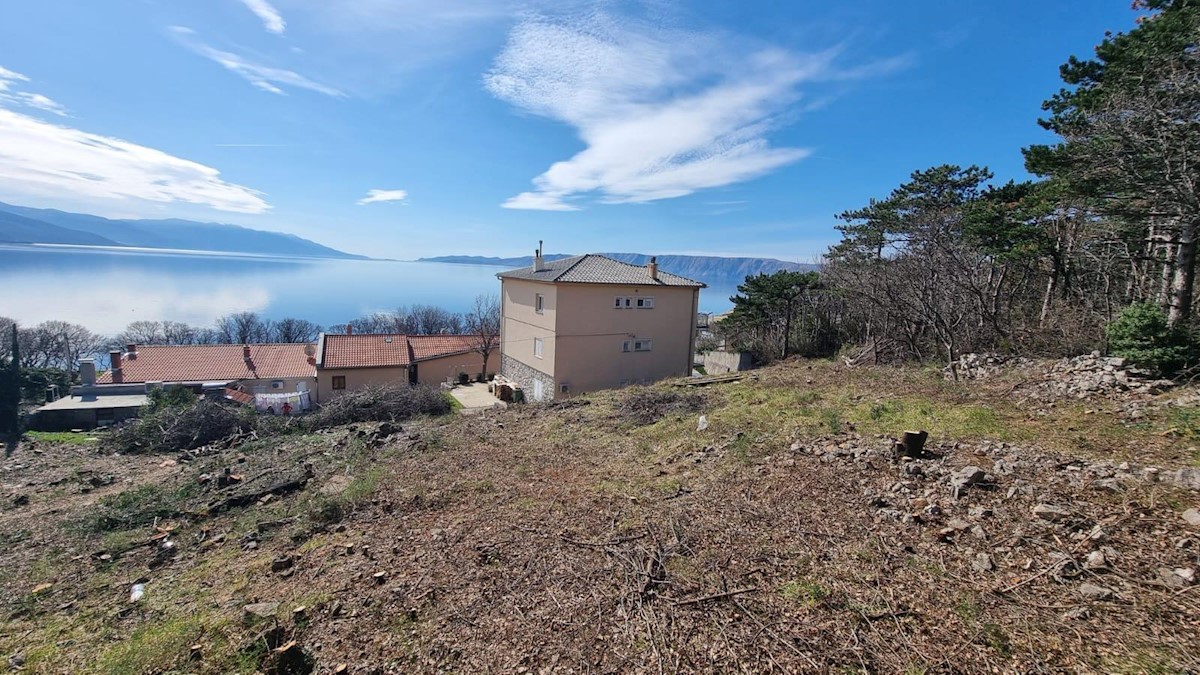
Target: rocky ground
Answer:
pixel 1046 527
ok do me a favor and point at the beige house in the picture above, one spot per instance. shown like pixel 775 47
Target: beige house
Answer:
pixel 590 322
pixel 349 362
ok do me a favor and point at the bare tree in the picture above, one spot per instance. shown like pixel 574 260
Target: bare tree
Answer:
pixel 243 328
pixel 57 344
pixel 483 325
pixel 294 330
pixel 431 320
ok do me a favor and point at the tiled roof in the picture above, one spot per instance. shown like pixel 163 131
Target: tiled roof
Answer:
pixel 239 396
pixel 433 346
pixel 367 350
pixel 597 269
pixel 211 363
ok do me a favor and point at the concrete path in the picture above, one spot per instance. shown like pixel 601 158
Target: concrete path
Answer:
pixel 475 397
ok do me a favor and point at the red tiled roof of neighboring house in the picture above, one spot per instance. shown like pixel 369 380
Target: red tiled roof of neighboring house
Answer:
pixel 376 351
pixel 365 350
pixel 433 346
pixel 213 363
pixel 239 396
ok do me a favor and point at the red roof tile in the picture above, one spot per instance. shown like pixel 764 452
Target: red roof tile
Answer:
pixel 433 346
pixel 367 351
pixel 239 396
pixel 212 363
pixel 360 351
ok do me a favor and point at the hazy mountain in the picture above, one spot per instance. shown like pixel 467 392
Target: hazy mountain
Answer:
pixel 15 229
pixel 520 261
pixel 50 226
pixel 708 269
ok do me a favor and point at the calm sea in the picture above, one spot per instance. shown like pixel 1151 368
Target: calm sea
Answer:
pixel 105 289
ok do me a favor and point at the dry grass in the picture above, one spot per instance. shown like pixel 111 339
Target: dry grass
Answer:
pixel 570 538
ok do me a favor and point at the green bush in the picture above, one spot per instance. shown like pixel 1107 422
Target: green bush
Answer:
pixel 170 397
pixel 1141 335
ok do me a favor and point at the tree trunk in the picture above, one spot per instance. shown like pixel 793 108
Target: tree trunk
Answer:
pixel 1185 272
pixel 1047 297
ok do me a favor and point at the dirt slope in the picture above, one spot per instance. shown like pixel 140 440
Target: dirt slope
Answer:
pixel 609 534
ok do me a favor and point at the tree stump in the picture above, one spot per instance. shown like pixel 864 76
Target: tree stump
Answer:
pixel 911 444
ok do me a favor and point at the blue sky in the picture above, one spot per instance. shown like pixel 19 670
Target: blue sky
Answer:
pixel 427 127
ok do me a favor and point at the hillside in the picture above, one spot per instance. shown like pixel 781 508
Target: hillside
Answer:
pixel 709 269
pixel 16 229
pixel 50 226
pixel 1042 532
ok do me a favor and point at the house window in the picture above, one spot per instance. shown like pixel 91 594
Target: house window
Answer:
pixel 645 303
pixel 623 302
pixel 538 345
pixel 339 382
pixel 539 303
pixel 627 346
pixel 642 345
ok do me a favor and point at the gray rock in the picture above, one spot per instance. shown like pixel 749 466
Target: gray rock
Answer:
pixel 1094 592
pixel 261 610
pixel 982 562
pixel 1095 560
pixel 1076 614
pixel 1169 577
pixel 1051 512
pixel 966 477
pixel 1192 516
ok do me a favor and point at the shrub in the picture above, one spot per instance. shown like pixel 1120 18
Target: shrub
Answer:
pixel 1141 335
pixel 169 397
pixel 175 428
pixel 379 403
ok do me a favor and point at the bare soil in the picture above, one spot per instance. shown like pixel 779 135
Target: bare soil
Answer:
pixel 609 534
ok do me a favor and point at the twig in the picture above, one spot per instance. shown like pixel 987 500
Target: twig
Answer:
pixel 602 544
pixel 716 596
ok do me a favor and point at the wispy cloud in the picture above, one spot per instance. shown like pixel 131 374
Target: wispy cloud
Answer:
pixel 265 78
pixel 7 77
pixel 10 81
pixel 663 113
pixel 48 160
pixel 376 196
pixel 271 18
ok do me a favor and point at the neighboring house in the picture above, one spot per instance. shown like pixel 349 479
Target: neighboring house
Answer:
pixel 349 362
pixel 590 322
pixel 275 368
pixel 237 372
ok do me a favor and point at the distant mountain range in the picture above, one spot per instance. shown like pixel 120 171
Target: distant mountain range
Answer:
pixel 704 268
pixel 24 225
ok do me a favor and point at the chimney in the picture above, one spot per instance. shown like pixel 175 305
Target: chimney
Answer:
pixel 246 352
pixel 349 329
pixel 115 357
pixel 539 263
pixel 131 350
pixel 87 372
pixel 653 267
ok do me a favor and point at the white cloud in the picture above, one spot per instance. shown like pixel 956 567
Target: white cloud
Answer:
pixel 42 103
pixel 663 113
pixel 376 196
pixel 271 18
pixel 7 77
pixel 48 160
pixel 10 80
pixel 264 77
